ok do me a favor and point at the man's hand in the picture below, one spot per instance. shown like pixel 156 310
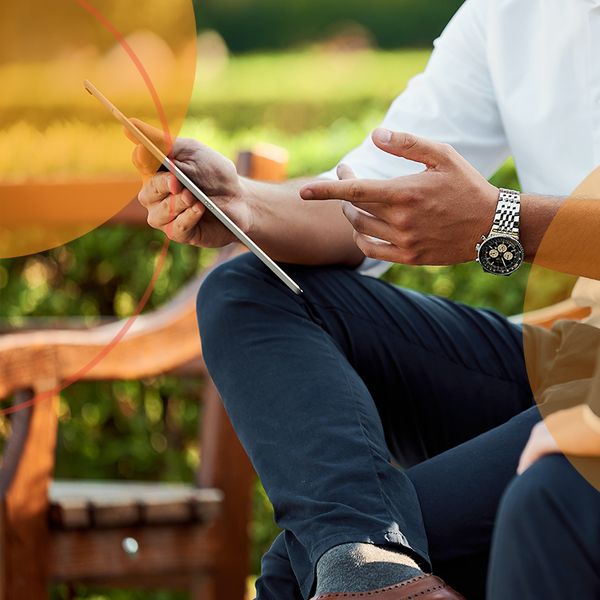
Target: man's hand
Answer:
pixel 567 432
pixel 434 218
pixel 172 208
pixel 540 443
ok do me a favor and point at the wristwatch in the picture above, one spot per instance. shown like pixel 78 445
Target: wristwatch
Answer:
pixel 500 252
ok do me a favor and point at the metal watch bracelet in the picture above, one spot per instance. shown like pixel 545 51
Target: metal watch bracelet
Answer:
pixel 508 214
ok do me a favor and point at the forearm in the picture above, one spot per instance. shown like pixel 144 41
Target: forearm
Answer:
pixel 537 214
pixel 562 234
pixel 294 231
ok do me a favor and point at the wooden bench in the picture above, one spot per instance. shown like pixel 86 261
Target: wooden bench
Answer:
pixel 165 536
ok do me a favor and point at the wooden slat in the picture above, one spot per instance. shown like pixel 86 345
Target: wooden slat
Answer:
pixel 99 555
pixel 78 504
pixel 265 163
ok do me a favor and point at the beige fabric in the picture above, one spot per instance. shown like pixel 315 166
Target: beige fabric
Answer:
pixel 587 293
pixel 563 365
pixel 591 419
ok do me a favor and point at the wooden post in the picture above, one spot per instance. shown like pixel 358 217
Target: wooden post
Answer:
pixel 24 481
pixel 225 466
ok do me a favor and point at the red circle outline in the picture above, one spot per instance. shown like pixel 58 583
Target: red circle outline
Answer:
pixel 46 395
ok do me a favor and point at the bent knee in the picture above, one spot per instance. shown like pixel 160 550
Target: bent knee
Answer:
pixel 231 276
pixel 225 289
pixel 242 290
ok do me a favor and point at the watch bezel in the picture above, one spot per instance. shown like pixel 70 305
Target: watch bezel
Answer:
pixel 486 240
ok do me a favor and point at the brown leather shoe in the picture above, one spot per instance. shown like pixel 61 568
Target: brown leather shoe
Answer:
pixel 423 587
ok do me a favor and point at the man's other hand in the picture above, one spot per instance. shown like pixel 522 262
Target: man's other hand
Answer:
pixel 567 431
pixel 172 208
pixel 435 217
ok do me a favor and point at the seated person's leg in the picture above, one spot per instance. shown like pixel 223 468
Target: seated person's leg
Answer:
pixel 316 385
pixel 277 580
pixel 547 536
pixel 459 492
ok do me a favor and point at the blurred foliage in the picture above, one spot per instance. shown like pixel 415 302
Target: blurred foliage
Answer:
pixel 248 24
pixel 144 430
pixel 104 273
pixel 37 29
pixel 229 110
pixel 280 90
pixel 148 430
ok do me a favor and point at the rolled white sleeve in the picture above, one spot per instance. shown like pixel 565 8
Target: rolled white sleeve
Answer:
pixel 452 101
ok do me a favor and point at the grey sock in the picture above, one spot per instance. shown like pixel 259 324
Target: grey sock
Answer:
pixel 363 567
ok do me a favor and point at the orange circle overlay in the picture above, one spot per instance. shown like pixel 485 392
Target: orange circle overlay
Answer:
pixel 563 357
pixel 65 165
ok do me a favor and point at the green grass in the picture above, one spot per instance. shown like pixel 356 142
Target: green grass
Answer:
pixel 306 90
pixel 309 76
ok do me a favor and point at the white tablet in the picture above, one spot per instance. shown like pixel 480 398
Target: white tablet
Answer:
pixel 194 189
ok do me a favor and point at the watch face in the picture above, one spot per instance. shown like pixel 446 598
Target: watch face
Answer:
pixel 501 255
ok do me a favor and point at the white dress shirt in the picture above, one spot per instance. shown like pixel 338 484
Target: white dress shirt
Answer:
pixel 506 77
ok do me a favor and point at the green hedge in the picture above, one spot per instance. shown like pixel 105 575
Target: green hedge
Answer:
pixel 259 24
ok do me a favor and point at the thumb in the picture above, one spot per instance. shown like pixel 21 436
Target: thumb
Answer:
pixel 345 171
pixel 160 138
pixel 407 145
pixel 143 160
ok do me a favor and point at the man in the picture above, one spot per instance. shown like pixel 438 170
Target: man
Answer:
pixel 325 389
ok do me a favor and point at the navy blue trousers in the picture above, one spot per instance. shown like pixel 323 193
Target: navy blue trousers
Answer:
pixel 330 392
pixel 546 542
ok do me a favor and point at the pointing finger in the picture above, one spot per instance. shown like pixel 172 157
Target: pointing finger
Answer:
pixel 353 190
